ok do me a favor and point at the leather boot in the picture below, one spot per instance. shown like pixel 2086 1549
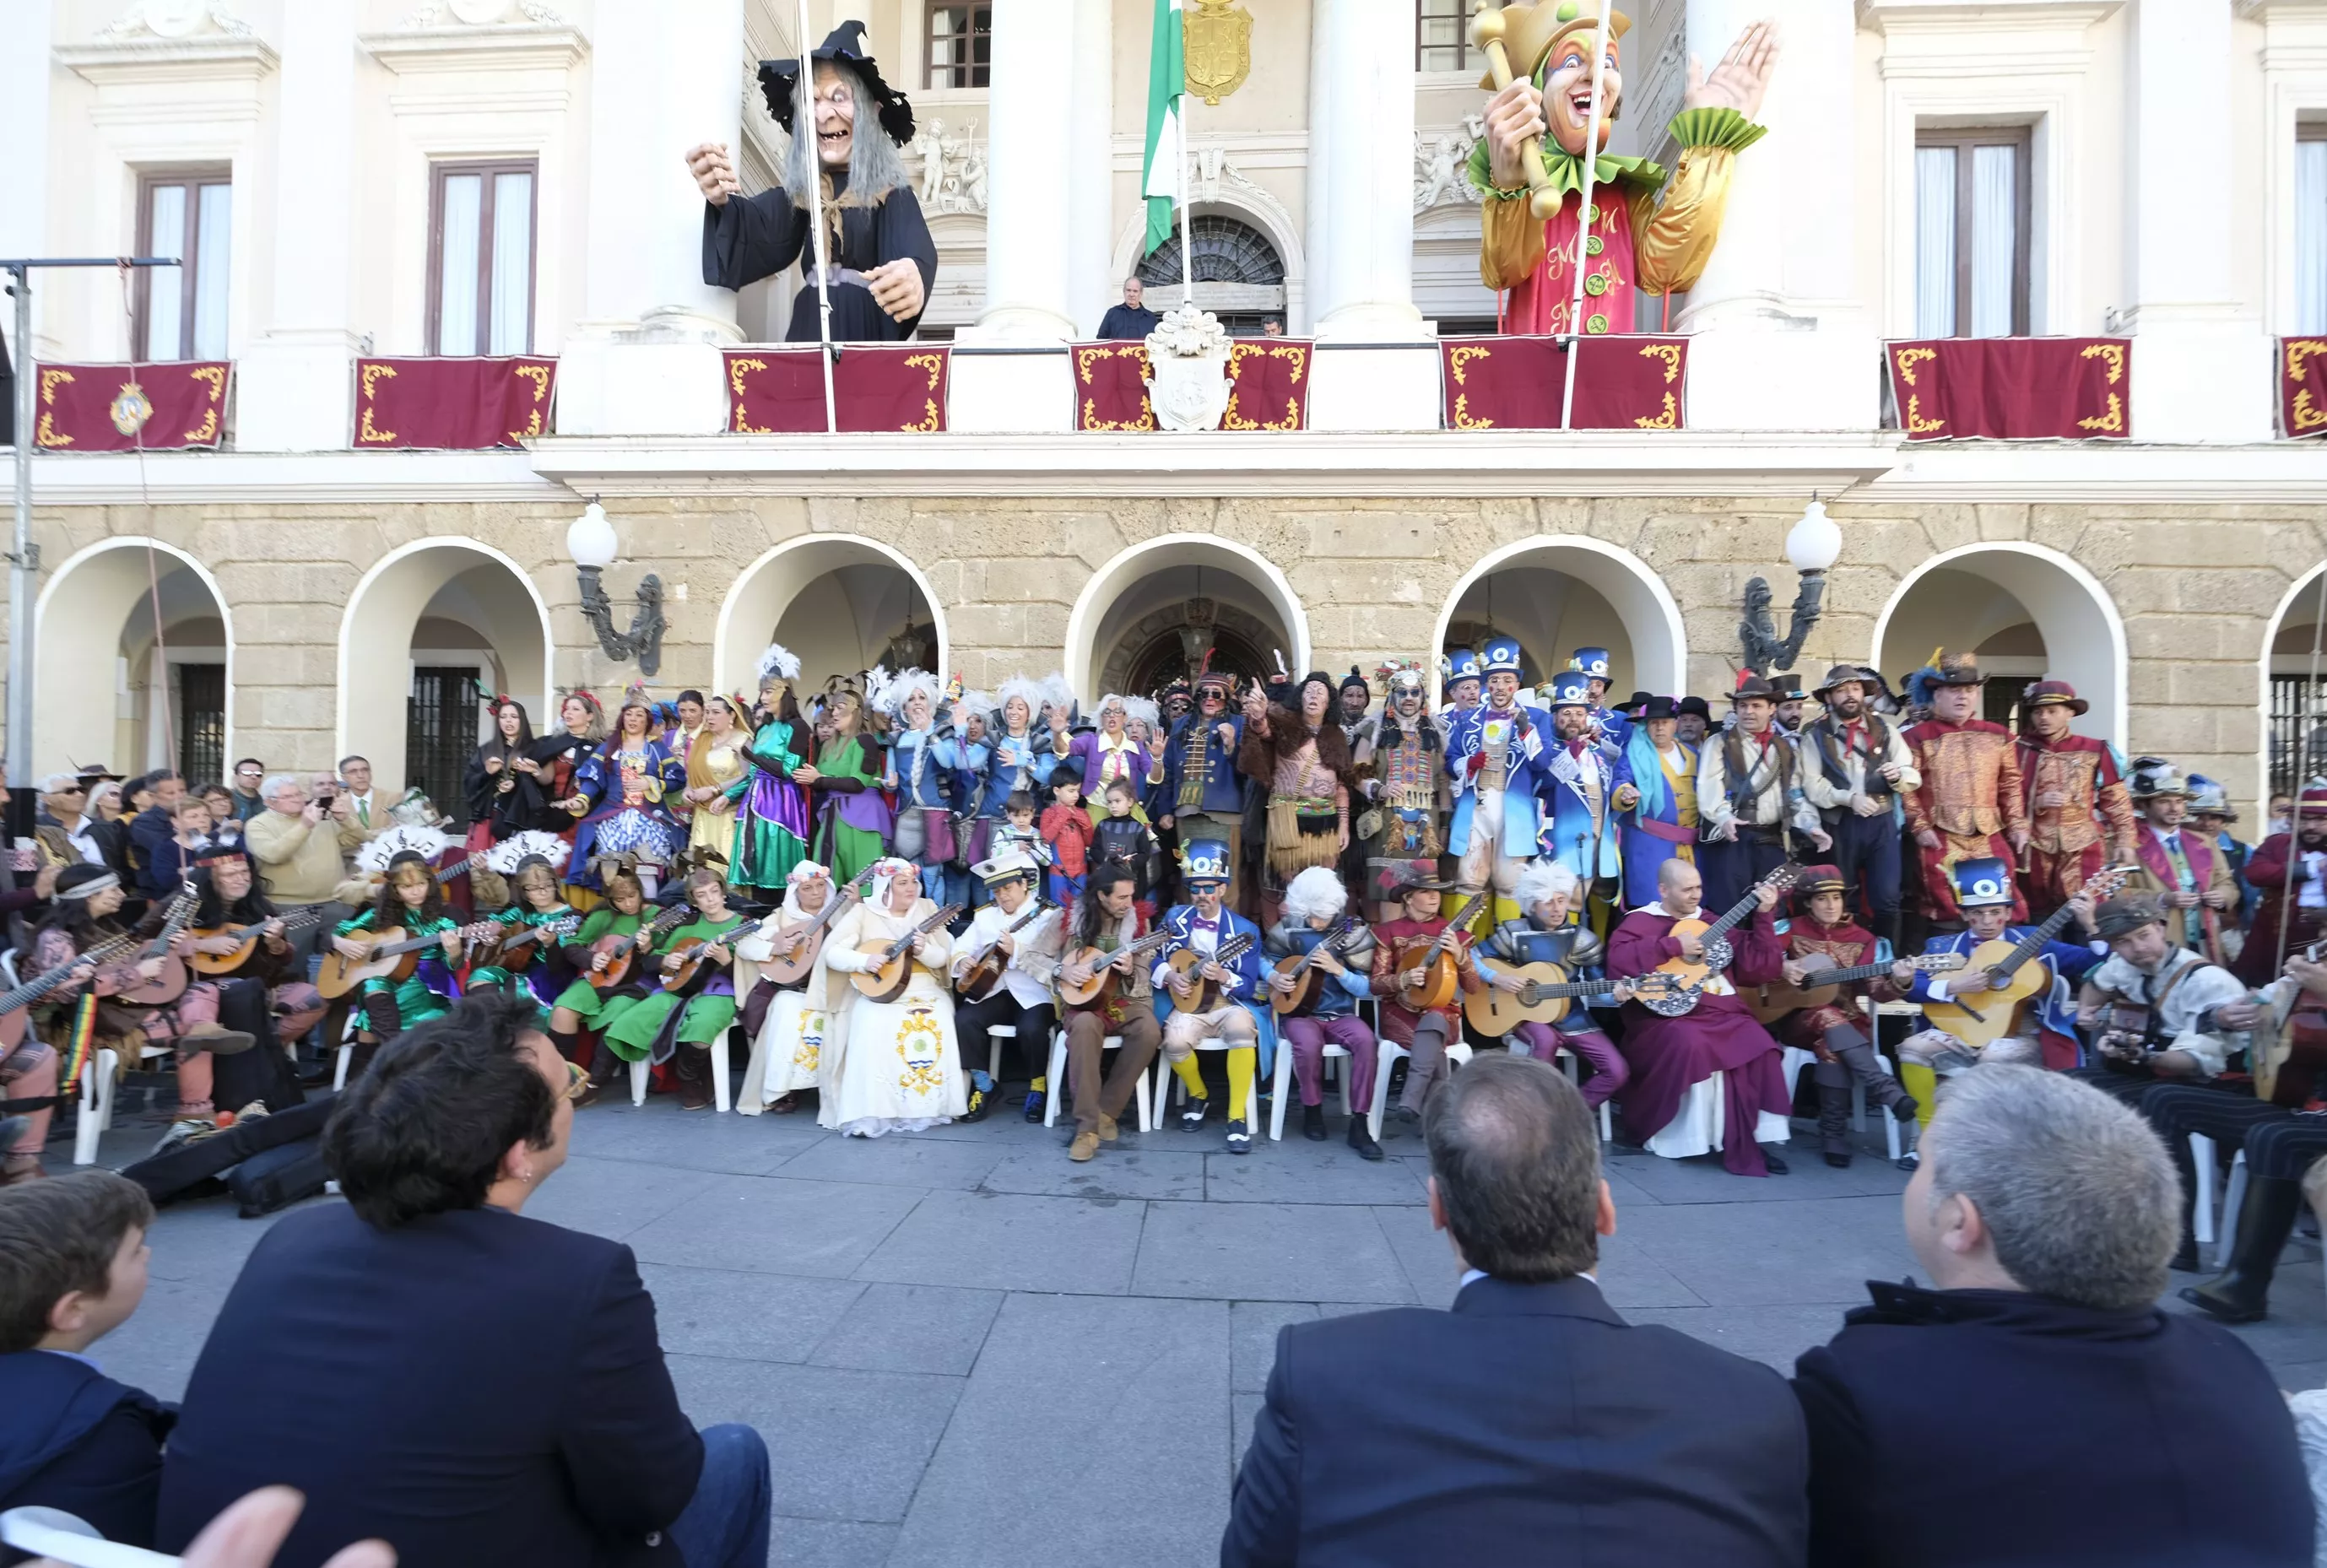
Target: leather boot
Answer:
pixel 2242 1293
pixel 1834 1113
pixel 2185 1255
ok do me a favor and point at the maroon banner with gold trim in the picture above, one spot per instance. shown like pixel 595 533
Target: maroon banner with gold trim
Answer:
pixel 2012 389
pixel 163 407
pixel 456 403
pixel 1623 382
pixel 2303 386
pixel 780 391
pixel 1268 385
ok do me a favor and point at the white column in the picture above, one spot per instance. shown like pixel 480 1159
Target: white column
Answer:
pixel 1360 239
pixel 1783 340
pixel 1092 285
pixel 25 176
pixel 1031 125
pixel 665 75
pixel 2201 362
pixel 295 376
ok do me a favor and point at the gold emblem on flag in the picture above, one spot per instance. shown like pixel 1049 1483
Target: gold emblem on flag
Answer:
pixel 1217 38
pixel 130 408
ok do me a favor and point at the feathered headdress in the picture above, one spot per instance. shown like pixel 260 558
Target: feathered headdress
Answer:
pixel 425 842
pixel 876 689
pixel 779 663
pixel 508 856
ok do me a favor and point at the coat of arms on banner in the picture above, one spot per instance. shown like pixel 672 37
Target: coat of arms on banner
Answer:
pixel 1218 39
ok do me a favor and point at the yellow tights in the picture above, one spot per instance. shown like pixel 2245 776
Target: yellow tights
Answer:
pixel 1243 1062
pixel 1919 1080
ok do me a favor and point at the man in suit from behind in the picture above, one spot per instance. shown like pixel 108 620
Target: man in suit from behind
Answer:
pixel 1530 1423
pixel 432 1368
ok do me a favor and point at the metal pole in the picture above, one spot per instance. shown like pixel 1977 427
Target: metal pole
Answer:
pixel 20 563
pixel 804 110
pixel 1583 219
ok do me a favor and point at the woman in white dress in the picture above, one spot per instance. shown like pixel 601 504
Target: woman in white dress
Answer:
pixel 787 1053
pixel 895 1066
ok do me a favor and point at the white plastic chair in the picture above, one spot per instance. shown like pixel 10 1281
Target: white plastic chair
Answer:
pixel 99 1091
pixel 1281 1090
pixel 995 1033
pixel 639 1073
pixel 1058 1076
pixel 2202 1228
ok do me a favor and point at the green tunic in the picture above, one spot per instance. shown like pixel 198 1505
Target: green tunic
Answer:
pixel 853 848
pixel 416 1000
pixel 771 817
pixel 707 1014
pixel 599 1008
pixel 494 976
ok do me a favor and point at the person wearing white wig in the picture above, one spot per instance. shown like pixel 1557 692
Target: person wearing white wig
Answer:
pixel 1020 757
pixel 790 1021
pixel 1108 754
pixel 1547 933
pixel 920 770
pixel 896 1066
pixel 1340 954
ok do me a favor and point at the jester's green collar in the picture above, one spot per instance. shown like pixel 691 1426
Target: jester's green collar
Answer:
pixel 1701 127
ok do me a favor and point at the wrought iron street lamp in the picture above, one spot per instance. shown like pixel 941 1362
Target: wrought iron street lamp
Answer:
pixel 591 545
pixel 1812 546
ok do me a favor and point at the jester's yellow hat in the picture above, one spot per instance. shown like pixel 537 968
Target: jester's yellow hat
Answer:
pixel 1533 28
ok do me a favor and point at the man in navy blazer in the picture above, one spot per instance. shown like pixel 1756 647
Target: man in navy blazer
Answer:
pixel 1530 1423
pixel 431 1368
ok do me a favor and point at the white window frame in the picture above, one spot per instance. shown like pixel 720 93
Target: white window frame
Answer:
pixel 2294 92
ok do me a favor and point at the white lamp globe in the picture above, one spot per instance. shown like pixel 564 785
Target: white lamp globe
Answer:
pixel 1814 543
pixel 590 539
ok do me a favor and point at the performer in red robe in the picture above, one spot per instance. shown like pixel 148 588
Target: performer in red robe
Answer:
pixel 2071 785
pixel 1970 805
pixel 1667 1055
pixel 2266 870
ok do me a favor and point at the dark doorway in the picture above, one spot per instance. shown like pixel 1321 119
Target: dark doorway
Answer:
pixel 441 722
pixel 1165 660
pixel 201 722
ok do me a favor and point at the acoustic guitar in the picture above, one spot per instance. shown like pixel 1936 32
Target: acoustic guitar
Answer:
pixel 17 1007
pixel 621 952
pixel 1442 975
pixel 794 969
pixel 390 955
pixel 1106 981
pixel 517 945
pixel 979 980
pixel 680 978
pixel 2289 1049
pixel 1773 1001
pixel 886 981
pixel 247 938
pixel 1713 947
pixel 1986 1016
pixel 1204 996
pixel 123 980
pixel 1296 967
pixel 1545 997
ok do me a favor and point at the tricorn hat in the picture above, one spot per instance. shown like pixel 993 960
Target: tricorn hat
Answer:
pixel 844 45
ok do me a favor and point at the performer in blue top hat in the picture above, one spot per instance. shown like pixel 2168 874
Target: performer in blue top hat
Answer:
pixel 1574 784
pixel 1610 726
pixel 1242 1020
pixel 1494 756
pixel 1458 678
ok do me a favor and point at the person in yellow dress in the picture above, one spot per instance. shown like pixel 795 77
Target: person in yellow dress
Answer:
pixel 717 778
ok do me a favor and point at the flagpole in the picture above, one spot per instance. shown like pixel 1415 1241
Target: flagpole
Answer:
pixel 1187 196
pixel 804 113
pixel 1583 216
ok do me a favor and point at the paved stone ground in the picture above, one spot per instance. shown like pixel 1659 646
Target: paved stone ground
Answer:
pixel 964 1349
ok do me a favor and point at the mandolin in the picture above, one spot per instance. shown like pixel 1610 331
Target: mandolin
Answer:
pixel 248 937
pixel 121 980
pixel 2289 1048
pixel 1546 997
pixel 1713 946
pixel 1773 1001
pixel 1204 996
pixel 621 951
pixel 680 978
pixel 2011 979
pixel 978 981
pixel 1443 975
pixel 517 945
pixel 887 980
pixel 1295 967
pixel 1106 981
pixel 793 968
pixel 390 955
pixel 15 1006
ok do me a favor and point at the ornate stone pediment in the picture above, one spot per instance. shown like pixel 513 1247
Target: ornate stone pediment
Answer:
pixel 169 40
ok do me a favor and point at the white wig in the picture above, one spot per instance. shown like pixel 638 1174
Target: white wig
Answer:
pixel 897 691
pixel 1315 893
pixel 1029 692
pixel 1143 710
pixel 1542 880
pixel 1057 692
pixel 779 663
pixel 1113 700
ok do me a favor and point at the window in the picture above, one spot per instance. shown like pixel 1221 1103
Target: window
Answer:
pixel 960 46
pixel 480 259
pixel 2310 228
pixel 201 721
pixel 440 731
pixel 1442 36
pixel 1971 233
pixel 2292 763
pixel 1227 251
pixel 178 313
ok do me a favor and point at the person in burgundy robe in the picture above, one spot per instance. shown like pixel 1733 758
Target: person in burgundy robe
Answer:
pixel 1668 1055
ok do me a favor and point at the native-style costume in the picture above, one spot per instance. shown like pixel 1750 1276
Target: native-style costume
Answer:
pixel 890 1066
pixel 1397 764
pixel 1971 793
pixel 1306 772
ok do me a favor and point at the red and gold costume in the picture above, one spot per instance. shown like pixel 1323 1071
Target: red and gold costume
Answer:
pixel 1849 945
pixel 1836 1031
pixel 1971 796
pixel 2066 845
pixel 1398 943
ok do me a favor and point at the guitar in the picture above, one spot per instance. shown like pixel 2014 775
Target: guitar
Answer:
pixel 122 981
pixel 794 969
pixel 1987 1016
pixel 978 981
pixel 1204 996
pixel 460 867
pixel 248 937
pixel 680 978
pixel 1545 997
pixel 2289 1047
pixel 1713 946
pixel 1442 978
pixel 15 1007
pixel 1773 1001
pixel 1295 967
pixel 1106 981
pixel 390 955
pixel 620 951
pixel 887 981
pixel 519 945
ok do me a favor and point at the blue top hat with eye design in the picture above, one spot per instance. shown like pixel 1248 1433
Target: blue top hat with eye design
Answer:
pixel 1592 661
pixel 1457 664
pixel 1502 655
pixel 1570 690
pixel 1204 859
pixel 1981 882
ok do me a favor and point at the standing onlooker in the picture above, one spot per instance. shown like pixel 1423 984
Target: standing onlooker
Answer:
pixel 63 824
pixel 155 824
pixel 2044 1213
pixel 364 808
pixel 248 799
pixel 302 859
pixel 491 1389
pixel 1130 319
pixel 1530 1423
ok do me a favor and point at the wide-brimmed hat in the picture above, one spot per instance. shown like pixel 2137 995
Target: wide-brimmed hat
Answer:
pixel 844 45
pixel 1838 675
pixel 1422 877
pixel 2151 777
pixel 2126 914
pixel 1754 685
pixel 2038 694
pixel 1657 708
pixel 1697 705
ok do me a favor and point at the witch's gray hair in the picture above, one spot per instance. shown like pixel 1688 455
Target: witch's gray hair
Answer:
pixel 874 169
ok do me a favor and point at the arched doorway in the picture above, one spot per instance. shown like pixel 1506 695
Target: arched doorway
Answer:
pixel 1149 616
pixel 430 632
pixel 2026 611
pixel 106 689
pixel 841 602
pixel 1557 593
pixel 1239 276
pixel 2289 697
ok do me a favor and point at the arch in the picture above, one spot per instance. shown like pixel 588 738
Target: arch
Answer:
pixel 1657 659
pixel 2083 635
pixel 764 593
pixel 84 613
pixel 448 578
pixel 1245 203
pixel 2291 622
pixel 1090 633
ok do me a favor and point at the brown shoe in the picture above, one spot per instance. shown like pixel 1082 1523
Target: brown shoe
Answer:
pixel 693 1096
pixel 1085 1145
pixel 215 1038
pixel 1107 1131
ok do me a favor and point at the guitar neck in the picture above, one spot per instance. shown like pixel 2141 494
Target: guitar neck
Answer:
pixel 1737 911
pixel 1338 934
pixel 1447 933
pixel 40 985
pixel 2034 941
pixel 1837 977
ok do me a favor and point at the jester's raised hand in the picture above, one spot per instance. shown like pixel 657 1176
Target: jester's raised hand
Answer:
pixel 1742 78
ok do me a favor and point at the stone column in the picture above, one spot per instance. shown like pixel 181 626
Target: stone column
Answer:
pixel 666 74
pixel 1782 337
pixel 2200 363
pixel 1360 207
pixel 293 378
pixel 24 132
pixel 1031 129
pixel 1091 283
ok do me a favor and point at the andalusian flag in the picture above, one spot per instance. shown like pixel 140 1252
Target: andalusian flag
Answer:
pixel 1167 78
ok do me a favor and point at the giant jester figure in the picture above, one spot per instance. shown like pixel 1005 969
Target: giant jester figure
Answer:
pixel 1637 243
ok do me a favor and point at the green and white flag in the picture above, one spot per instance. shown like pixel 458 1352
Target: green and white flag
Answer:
pixel 1167 78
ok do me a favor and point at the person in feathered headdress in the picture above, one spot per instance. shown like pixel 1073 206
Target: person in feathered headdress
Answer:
pixel 852 818
pixel 527 956
pixel 1969 805
pixel 2072 784
pixel 771 818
